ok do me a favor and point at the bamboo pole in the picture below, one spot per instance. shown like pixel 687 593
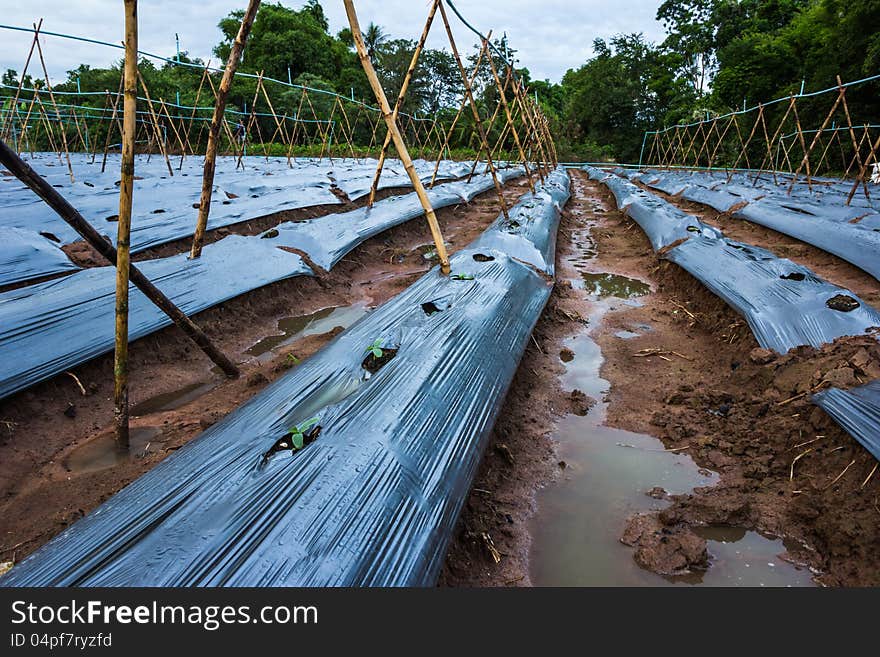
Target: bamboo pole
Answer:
pixel 852 135
pixel 160 136
pixel 21 79
pixel 218 118
pixel 123 235
pixel 861 177
pixel 113 118
pixel 399 144
pixel 806 161
pixel 476 112
pixel 164 109
pixel 250 123
pixel 55 106
pixel 519 146
pixel 400 96
pixel 193 116
pixel 226 128
pixel 458 114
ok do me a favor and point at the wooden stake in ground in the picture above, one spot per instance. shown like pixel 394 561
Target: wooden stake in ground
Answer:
pixel 55 106
pixel 247 22
pixel 399 144
pixel 14 113
pixel 123 235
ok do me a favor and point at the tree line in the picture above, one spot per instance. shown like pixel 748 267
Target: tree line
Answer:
pixel 717 56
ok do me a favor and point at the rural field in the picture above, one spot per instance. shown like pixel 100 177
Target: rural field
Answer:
pixel 328 294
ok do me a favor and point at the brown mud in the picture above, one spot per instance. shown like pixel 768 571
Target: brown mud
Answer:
pixel 698 381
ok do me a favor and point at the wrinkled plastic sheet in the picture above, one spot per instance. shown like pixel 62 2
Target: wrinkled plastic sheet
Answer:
pixel 856 410
pixel 820 218
pixel 25 255
pixel 46 329
pixel 663 223
pixel 782 311
pixel 327 239
pixel 529 235
pixel 372 502
pixel 163 206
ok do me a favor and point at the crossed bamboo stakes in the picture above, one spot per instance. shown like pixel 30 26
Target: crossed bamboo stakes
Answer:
pixel 727 142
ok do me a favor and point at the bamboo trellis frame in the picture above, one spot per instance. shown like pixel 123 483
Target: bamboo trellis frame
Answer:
pixel 781 142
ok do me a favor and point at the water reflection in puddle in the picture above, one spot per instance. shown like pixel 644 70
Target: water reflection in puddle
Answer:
pixel 169 401
pixel 102 452
pixel 575 534
pixel 613 285
pixel 322 321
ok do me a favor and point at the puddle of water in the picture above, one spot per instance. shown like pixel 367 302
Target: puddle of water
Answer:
pixel 626 335
pixel 102 453
pixel 168 401
pixel 613 285
pixel 575 536
pixel 740 557
pixel 322 321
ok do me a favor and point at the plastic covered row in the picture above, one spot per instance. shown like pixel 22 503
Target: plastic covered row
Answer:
pixel 372 499
pixel 820 218
pixel 784 303
pixel 856 410
pixel 25 255
pixel 47 328
pixel 327 239
pixel 165 208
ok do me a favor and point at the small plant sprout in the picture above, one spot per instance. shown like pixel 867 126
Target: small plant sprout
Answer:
pixel 298 433
pixel 293 360
pixel 294 440
pixel 376 348
pixel 462 277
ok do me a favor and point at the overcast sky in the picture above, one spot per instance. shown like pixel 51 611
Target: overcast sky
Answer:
pixel 551 35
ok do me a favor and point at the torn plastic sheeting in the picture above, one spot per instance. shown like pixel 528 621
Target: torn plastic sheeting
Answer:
pixel 372 502
pixel 856 410
pixel 783 313
pixel 327 239
pixel 530 233
pixel 25 255
pixel 47 328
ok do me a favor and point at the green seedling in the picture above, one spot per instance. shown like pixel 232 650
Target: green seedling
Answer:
pixel 462 277
pixel 376 348
pixel 297 433
pixel 294 440
pixel 293 360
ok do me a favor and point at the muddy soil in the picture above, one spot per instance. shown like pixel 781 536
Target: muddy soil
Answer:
pixel 696 380
pixel 53 465
pixel 786 468
pixel 699 382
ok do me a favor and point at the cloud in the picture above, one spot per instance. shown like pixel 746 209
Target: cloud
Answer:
pixel 551 36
